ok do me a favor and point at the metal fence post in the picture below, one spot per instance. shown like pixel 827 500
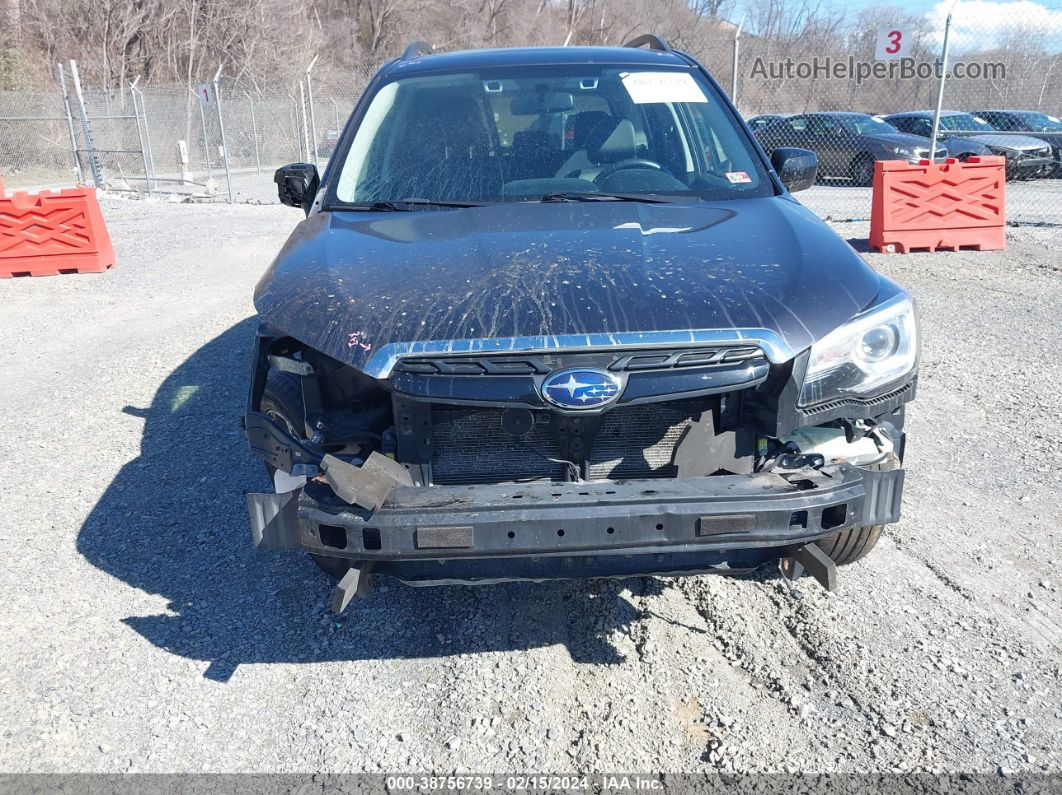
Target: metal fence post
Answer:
pixel 147 136
pixel 734 76
pixel 254 134
pixel 70 123
pixel 206 140
pixel 940 91
pixel 304 131
pixel 94 165
pixel 313 117
pixel 221 129
pixel 140 133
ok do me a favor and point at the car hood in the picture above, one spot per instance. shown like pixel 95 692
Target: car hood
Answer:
pixel 900 139
pixel 354 284
pixel 1053 138
pixel 1021 143
pixel 957 145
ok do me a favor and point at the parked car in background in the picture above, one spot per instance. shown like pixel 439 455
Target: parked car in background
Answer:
pixel 1039 124
pixel 328 145
pixel 765 120
pixel 1026 157
pixel 960 147
pixel 847 143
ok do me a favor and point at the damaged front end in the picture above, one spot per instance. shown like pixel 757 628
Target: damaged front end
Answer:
pixel 478 466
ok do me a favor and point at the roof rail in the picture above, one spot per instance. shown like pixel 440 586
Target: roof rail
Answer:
pixel 655 42
pixel 416 48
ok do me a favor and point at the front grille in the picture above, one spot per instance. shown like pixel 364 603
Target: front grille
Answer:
pixel 640 441
pixel 509 364
pixel 472 446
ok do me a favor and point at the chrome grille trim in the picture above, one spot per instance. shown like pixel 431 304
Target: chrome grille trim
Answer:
pixel 776 348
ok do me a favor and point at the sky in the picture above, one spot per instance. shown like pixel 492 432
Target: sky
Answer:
pixel 975 23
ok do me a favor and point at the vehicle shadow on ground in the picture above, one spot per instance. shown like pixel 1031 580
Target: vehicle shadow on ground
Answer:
pixel 174 523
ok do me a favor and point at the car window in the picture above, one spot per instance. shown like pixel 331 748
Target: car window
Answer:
pixel 904 125
pixel 504 134
pixel 796 124
pixel 867 125
pixel 965 122
pixel 1038 122
pixel 557 121
pixel 998 121
pixel 823 125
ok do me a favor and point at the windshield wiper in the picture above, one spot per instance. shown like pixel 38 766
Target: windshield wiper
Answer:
pixel 589 196
pixel 406 205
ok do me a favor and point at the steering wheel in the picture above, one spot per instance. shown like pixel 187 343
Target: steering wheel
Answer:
pixel 624 165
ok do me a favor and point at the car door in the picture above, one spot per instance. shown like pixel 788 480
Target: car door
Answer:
pixel 831 144
pixel 788 132
pixel 904 124
pixel 915 125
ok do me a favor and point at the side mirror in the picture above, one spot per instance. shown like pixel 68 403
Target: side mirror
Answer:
pixel 795 167
pixel 297 184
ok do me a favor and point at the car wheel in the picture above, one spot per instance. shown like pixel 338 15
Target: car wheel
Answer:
pixel 850 545
pixel 862 170
pixel 282 403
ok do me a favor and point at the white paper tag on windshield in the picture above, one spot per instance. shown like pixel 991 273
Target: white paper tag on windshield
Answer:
pixel 649 87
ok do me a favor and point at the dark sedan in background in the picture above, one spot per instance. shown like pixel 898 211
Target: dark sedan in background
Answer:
pixel 765 120
pixel 1037 123
pixel 958 146
pixel 1026 156
pixel 847 143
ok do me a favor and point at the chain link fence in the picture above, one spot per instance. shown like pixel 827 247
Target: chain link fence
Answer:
pixel 873 96
pixel 852 102
pixel 171 140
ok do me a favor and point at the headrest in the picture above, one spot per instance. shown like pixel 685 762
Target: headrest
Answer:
pixel 583 124
pixel 618 144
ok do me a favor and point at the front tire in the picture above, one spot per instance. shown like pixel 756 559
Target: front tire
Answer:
pixel 863 170
pixel 282 403
pixel 850 545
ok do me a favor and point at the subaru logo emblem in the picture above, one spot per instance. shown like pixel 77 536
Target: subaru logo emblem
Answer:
pixel 581 388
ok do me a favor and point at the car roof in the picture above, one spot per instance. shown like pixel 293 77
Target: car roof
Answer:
pixel 536 56
pixel 919 114
pixel 844 114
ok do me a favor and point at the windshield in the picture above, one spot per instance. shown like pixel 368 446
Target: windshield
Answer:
pixel 965 121
pixel 526 133
pixel 1040 122
pixel 867 125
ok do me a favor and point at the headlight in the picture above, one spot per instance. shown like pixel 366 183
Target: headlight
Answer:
pixel 867 353
pixel 903 151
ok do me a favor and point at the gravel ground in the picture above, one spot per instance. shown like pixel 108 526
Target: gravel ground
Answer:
pixel 141 631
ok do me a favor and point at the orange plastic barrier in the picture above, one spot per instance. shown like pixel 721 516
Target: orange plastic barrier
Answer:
pixel 45 234
pixel 933 206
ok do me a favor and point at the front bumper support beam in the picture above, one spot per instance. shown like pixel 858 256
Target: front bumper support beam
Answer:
pixel 543 530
